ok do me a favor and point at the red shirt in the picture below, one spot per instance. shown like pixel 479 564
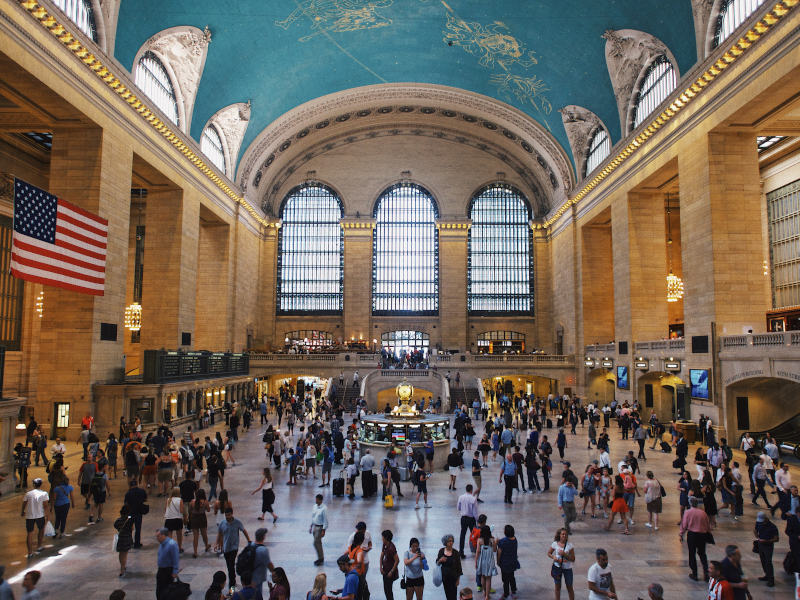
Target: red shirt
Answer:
pixel 719 589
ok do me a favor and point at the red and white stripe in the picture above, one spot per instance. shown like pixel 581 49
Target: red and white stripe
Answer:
pixel 77 261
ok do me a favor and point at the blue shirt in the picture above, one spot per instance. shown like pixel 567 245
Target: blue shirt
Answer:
pixel 230 534
pixel 168 555
pixel 507 437
pixel 61 494
pixel 566 493
pixel 350 584
pixel 260 564
pixel 509 468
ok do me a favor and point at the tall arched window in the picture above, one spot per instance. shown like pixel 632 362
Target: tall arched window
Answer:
pixel 81 13
pixel 733 13
pixel 658 83
pixel 405 256
pixel 310 267
pixel 599 147
pixel 153 80
pixel 500 269
pixel 211 145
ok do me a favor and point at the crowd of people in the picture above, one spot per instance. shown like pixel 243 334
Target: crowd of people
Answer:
pixel 516 440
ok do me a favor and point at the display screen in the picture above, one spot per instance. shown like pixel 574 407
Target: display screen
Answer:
pixel 699 379
pixel 399 436
pixel 622 378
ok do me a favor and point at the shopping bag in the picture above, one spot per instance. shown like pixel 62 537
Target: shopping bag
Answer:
pixel 388 502
pixel 49 530
pixel 437 575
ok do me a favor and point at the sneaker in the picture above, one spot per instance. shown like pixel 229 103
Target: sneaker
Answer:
pixel 427 506
pixel 416 507
pixel 648 524
pixel 91 520
pixel 479 588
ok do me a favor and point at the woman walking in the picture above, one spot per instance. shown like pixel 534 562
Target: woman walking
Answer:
pixel 652 497
pixel 450 562
pixel 708 488
pixel 124 527
pixel 165 474
pixel 388 561
pixel 221 505
pixel 62 501
pixel 619 507
pixel 562 554
pixel 228 453
pixel 412 571
pixel 267 496
pixel 508 561
pixel 485 565
pixel 173 516
pixel 684 485
pixel 318 591
pixel 150 471
pixel 198 520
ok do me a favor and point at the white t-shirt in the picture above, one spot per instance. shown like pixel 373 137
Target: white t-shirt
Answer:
pixel 34 509
pixel 601 578
pixel 558 551
pixel 365 545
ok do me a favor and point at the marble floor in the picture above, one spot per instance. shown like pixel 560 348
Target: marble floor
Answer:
pixel 84 565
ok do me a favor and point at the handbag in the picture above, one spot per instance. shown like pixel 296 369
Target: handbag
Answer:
pixel 145 509
pixel 437 575
pixel 403 580
pixel 114 544
pixel 663 491
pixel 755 546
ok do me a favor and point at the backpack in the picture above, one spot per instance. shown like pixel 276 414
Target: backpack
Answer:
pixel 98 482
pixel 246 561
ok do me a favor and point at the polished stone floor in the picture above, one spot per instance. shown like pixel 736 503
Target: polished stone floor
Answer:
pixel 84 565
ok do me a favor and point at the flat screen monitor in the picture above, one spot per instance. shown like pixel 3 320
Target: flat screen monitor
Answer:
pixel 399 436
pixel 622 378
pixel 700 382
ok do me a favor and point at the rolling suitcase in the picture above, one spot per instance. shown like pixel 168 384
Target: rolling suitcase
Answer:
pixel 338 487
pixel 373 484
pixel 549 423
pixel 665 447
pixel 404 474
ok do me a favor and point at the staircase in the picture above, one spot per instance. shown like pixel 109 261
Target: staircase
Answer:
pixel 346 396
pixel 462 395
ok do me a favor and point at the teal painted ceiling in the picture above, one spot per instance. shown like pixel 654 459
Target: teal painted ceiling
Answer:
pixel 537 55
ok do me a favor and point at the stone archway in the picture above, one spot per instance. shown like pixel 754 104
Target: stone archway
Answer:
pixel 601 387
pixel 661 395
pixel 758 404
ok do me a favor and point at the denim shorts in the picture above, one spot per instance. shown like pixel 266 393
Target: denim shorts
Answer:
pixel 629 498
pixel 556 573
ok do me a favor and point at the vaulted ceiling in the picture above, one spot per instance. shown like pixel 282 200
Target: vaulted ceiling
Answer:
pixel 535 55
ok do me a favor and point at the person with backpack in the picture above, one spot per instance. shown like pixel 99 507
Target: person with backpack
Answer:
pixel 99 491
pixel 228 544
pixel 85 475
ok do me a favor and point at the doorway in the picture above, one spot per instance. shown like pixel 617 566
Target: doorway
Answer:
pixel 60 419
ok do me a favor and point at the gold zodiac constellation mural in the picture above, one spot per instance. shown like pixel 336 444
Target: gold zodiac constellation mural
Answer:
pixel 337 16
pixel 497 47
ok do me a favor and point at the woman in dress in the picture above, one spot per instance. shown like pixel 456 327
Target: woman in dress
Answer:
pixel 412 571
pixel 684 485
pixel 198 521
pixel 604 491
pixel 709 500
pixel 652 497
pixel 562 554
pixel 165 468
pixel 124 527
pixel 700 462
pixel 173 516
pixel 450 562
pixel 228 453
pixel 619 507
pixel 485 564
pixel 318 591
pixel 727 486
pixel 267 495
pixel 150 470
pixel 495 444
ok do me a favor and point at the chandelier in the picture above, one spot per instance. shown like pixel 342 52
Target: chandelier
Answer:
pixel 40 304
pixel 674 283
pixel 133 316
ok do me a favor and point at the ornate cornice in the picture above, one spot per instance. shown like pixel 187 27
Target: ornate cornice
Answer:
pixel 339 110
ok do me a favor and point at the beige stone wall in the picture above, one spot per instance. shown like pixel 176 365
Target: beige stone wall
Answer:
pixel 213 294
pixel 598 269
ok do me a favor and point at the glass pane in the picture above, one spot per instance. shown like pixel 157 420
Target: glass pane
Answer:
pixel 152 79
pixel 659 82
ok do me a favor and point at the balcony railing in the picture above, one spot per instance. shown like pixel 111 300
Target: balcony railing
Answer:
pixel 676 344
pixel 761 340
pixel 351 360
pixel 612 347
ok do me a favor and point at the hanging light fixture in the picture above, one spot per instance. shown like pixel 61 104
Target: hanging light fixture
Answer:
pixel 674 283
pixel 40 304
pixel 133 317
pixel 133 312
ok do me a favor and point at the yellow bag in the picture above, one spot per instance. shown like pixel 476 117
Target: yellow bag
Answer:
pixel 388 501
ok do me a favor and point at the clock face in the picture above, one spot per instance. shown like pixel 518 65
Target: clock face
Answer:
pixel 405 391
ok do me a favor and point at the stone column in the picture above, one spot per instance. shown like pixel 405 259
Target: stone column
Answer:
pixel 597 289
pixel 453 250
pixel 91 169
pixel 358 278
pixel 269 281
pixel 213 288
pixel 169 282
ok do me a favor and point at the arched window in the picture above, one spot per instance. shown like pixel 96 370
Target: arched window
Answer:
pixel 733 13
pixel 658 83
pixel 152 79
pixel 501 342
pixel 405 256
pixel 310 242
pixel 211 145
pixel 499 271
pixel 81 13
pixel 599 148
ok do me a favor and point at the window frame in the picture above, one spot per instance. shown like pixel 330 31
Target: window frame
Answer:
pixel 69 8
pixel 203 136
pixel 591 149
pixel 170 93
pixel 501 225
pixel 411 226
pixel 643 94
pixel 719 22
pixel 281 282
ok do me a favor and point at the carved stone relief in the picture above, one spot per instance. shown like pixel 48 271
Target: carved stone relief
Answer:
pixel 232 122
pixel 628 52
pixel 183 50
pixel 580 123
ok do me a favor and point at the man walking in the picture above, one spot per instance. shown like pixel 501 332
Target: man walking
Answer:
pixel 34 508
pixel 168 561
pixel 640 435
pixel 262 563
pixel 319 523
pixel 601 582
pixel 695 522
pixel 228 542
pixel 135 499
pixel 367 464
pixel 566 502
pixel 783 483
pixel 468 508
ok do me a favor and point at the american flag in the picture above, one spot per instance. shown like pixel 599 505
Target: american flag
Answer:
pixel 57 243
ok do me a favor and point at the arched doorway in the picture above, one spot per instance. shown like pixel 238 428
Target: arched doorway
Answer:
pixel 657 392
pixel 601 387
pixel 759 404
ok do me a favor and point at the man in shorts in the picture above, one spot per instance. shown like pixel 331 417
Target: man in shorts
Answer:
pixel 34 508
